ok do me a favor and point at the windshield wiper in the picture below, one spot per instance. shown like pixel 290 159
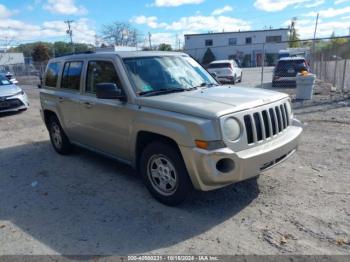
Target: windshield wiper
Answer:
pixel 205 85
pixel 161 91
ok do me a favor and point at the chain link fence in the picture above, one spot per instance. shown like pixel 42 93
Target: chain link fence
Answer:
pixel 271 65
pixel 276 65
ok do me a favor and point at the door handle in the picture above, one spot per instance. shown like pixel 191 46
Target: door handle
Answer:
pixel 61 99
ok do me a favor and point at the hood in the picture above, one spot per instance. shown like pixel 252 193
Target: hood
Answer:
pixel 9 90
pixel 213 102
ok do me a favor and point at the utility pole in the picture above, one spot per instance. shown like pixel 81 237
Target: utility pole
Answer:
pixel 70 32
pixel 176 40
pixel 150 40
pixel 313 42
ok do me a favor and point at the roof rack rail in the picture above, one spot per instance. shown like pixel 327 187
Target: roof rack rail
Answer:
pixel 77 53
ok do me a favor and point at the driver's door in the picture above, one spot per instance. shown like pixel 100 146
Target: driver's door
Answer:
pixel 105 122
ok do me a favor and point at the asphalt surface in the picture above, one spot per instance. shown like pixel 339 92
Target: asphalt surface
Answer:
pixel 84 204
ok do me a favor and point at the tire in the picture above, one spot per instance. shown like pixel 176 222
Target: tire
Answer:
pixel 59 139
pixel 169 182
pixel 234 81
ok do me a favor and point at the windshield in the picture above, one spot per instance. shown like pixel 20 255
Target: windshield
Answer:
pixel 166 73
pixel 4 81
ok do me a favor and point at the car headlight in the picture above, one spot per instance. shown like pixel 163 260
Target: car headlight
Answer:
pixel 231 129
pixel 19 93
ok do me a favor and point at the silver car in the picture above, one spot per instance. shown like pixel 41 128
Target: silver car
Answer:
pixel 167 117
pixel 12 97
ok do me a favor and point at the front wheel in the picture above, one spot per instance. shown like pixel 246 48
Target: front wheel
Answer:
pixel 59 139
pixel 164 173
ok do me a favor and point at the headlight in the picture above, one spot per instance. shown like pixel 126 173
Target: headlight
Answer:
pixel 289 109
pixel 19 93
pixel 231 129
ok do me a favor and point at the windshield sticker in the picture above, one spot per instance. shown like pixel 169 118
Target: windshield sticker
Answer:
pixel 146 88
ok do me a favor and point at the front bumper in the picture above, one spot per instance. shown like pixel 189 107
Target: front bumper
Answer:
pixel 202 164
pixel 14 103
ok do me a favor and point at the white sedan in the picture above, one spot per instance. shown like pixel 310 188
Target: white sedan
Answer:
pixel 12 97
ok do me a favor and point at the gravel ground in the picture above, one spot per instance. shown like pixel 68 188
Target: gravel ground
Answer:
pixel 86 204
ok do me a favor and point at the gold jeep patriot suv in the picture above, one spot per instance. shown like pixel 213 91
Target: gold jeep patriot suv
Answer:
pixel 167 117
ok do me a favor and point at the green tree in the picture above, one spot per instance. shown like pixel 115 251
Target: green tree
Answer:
pixel 208 57
pixel 165 47
pixel 294 40
pixel 40 53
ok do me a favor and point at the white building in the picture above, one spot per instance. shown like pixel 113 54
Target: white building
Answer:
pixel 245 46
pixel 11 61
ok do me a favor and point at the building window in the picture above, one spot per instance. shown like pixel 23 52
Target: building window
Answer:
pixel 232 41
pixel 209 42
pixel 274 39
pixel 248 40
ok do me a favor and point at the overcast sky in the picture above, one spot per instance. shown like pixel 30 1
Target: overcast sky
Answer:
pixel 26 21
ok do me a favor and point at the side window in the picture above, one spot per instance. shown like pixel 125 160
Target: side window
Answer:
pixel 71 75
pixel 51 75
pixel 100 72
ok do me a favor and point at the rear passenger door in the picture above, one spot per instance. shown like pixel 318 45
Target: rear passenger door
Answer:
pixel 68 97
pixel 105 122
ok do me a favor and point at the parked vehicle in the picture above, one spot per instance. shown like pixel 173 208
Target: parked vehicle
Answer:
pixel 167 117
pixel 12 97
pixel 226 71
pixel 10 77
pixel 286 70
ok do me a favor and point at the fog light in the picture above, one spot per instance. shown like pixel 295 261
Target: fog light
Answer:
pixel 225 165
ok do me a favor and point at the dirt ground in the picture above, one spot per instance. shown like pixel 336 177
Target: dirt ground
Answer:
pixel 86 204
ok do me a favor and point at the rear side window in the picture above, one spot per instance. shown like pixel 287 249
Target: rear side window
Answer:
pixel 100 72
pixel 71 75
pixel 220 65
pixel 52 74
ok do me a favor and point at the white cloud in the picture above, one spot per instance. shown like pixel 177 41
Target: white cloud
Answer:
pixel 338 2
pixel 4 12
pixel 64 7
pixel 160 38
pixel 315 3
pixel 277 5
pixel 17 30
pixel 150 21
pixel 173 3
pixel 330 12
pixel 196 23
pixel 306 27
pixel 220 11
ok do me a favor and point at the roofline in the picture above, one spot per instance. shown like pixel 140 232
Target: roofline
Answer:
pixel 236 32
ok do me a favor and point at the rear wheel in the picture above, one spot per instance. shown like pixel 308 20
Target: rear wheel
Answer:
pixel 164 173
pixel 234 81
pixel 241 77
pixel 59 139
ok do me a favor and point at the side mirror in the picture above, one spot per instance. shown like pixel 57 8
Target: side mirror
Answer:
pixel 109 91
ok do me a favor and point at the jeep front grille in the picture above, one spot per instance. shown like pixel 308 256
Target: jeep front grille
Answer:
pixel 266 123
